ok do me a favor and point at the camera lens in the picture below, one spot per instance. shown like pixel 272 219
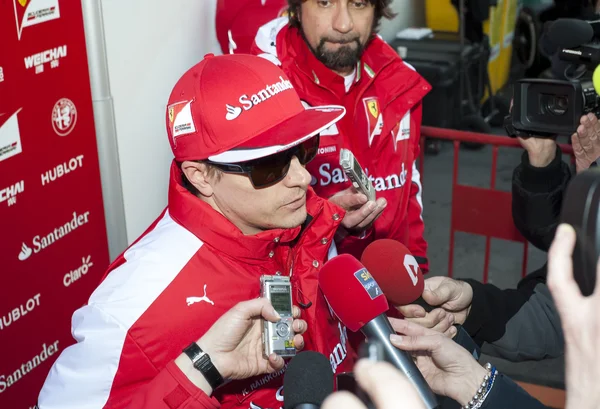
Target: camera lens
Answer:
pixel 556 104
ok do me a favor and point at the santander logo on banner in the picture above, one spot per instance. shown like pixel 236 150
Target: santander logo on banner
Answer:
pixel 40 242
pixel 31 12
pixel 6 381
pixel 49 56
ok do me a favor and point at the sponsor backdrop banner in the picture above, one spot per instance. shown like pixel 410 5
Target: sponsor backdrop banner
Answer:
pixel 53 246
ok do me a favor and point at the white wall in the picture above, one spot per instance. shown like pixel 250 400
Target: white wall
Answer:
pixel 149 45
pixel 409 13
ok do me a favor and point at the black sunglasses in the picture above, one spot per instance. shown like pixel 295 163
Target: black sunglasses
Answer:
pixel 271 169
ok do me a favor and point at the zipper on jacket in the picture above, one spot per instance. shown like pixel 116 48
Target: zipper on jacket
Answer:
pixel 301 298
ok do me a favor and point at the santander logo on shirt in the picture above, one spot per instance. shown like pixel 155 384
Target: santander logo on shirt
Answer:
pixel 328 176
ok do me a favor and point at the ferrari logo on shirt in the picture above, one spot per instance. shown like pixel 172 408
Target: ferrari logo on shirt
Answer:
pixel 23 2
pixel 374 117
pixel 373 108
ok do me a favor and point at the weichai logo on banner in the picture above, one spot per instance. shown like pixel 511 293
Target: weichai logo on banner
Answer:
pixel 31 12
pixel 9 193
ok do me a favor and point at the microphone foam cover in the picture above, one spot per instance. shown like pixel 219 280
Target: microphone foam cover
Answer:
pixel 307 379
pixel 395 269
pixel 351 291
pixel 570 33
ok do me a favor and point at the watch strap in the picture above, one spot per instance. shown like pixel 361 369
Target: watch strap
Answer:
pixel 202 363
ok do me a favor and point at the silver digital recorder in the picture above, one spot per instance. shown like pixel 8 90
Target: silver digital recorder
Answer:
pixel 355 173
pixel 278 336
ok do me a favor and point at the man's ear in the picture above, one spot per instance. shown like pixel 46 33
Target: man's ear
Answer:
pixel 199 176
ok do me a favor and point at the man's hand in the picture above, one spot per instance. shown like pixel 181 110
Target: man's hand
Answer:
pixel 452 296
pixel 386 386
pixel 580 322
pixel 234 343
pixel 449 369
pixel 360 213
pixel 586 143
pixel 541 151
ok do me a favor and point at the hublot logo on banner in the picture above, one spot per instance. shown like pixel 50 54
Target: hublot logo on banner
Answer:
pixel 19 312
pixel 62 169
pixel 41 242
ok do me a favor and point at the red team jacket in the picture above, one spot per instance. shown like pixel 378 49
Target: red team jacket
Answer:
pixel 166 290
pixel 381 127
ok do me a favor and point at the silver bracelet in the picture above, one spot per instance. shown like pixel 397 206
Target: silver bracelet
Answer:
pixel 485 388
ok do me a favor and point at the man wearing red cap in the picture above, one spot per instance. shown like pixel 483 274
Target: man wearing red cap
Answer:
pixel 331 53
pixel 240 206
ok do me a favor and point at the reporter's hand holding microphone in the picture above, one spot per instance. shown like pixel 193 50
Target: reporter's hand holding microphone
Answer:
pixel 234 343
pixel 448 368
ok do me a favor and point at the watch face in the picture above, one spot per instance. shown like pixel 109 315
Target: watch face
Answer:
pixel 198 359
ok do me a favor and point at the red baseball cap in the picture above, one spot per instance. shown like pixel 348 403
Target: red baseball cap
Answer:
pixel 235 108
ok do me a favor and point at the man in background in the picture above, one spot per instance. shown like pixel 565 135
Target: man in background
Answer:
pixel 332 54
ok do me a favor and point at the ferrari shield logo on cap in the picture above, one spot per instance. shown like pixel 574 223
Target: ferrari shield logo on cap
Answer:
pixel 180 119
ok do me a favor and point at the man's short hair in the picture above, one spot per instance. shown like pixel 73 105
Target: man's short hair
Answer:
pixel 211 170
pixel 382 9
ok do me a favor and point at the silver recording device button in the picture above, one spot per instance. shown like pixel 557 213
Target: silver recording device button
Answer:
pixel 282 329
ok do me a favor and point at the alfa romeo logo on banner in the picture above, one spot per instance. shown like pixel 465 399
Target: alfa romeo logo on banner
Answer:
pixel 64 116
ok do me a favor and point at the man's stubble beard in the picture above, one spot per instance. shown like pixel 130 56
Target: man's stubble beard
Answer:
pixel 344 58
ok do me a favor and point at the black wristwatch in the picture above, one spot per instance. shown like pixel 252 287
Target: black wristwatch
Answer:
pixel 202 362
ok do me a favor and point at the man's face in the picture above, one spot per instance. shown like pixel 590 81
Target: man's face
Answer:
pixel 337 31
pixel 282 205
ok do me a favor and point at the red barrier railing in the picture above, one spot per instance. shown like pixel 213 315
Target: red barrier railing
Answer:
pixel 475 210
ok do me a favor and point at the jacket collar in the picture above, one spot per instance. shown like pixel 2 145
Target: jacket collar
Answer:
pixel 217 231
pixel 378 59
pixel 375 58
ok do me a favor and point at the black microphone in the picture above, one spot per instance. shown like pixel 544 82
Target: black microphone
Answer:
pixel 308 380
pixel 570 33
pixel 566 33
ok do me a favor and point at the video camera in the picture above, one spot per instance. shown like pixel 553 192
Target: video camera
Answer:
pixel 545 108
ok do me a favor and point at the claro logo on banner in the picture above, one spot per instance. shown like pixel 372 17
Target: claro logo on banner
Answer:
pixel 51 56
pixel 6 381
pixel 41 242
pixel 79 272
pixel 31 12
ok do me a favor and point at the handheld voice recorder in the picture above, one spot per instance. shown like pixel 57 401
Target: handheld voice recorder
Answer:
pixel 355 173
pixel 278 336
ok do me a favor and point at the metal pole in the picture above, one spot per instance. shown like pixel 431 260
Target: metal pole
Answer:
pixel 106 135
